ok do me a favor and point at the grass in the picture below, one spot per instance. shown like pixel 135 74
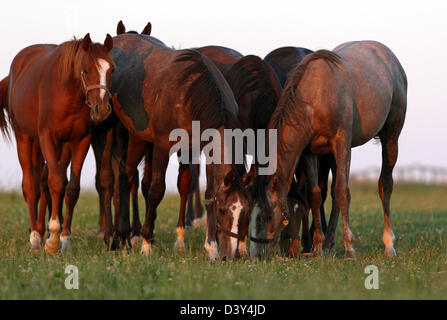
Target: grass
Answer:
pixel 419 216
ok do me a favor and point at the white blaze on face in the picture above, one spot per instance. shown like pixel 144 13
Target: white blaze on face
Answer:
pixel 103 67
pixel 235 213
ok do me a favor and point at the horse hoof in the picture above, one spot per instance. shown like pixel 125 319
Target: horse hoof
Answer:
pixel 101 234
pixel 35 241
pixel 146 248
pixel 179 248
pixel 350 255
pixel 51 248
pixel 135 240
pixel 390 253
pixel 66 243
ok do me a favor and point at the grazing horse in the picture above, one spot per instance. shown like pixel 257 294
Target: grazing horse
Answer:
pixel 157 89
pixel 332 102
pixel 55 94
pixel 256 89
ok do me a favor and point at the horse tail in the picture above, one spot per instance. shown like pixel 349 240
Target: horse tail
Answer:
pixel 4 85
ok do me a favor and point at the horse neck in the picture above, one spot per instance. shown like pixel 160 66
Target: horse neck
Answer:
pixel 290 146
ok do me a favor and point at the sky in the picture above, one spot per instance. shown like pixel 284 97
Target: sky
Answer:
pixel 415 31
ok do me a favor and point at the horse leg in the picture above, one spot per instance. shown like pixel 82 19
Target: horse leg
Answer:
pixel 211 239
pixel 56 185
pixel 79 152
pixel 198 221
pixel 30 192
pixel 311 168
pixel 147 176
pixel 389 158
pixel 183 184
pixel 323 176
pixel 190 214
pixel 329 241
pixel 43 174
pixel 135 153
pixel 160 159
pixel 102 141
pixel 116 204
pixel 342 154
pixel 306 236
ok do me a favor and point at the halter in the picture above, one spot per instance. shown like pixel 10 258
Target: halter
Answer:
pixel 285 222
pixel 87 89
pixel 212 200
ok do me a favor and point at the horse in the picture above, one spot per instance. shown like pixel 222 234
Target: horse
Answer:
pixel 120 178
pixel 332 102
pixel 183 86
pixel 257 89
pixel 117 156
pixel 55 94
pixel 283 60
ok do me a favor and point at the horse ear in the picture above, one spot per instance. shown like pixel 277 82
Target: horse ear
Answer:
pixel 120 28
pixel 147 29
pixel 229 178
pixel 108 42
pixel 86 42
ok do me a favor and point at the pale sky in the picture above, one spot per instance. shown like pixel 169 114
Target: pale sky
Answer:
pixel 416 31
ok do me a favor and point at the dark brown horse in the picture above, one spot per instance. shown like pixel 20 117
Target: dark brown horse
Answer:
pixel 256 89
pixel 183 86
pixel 332 102
pixel 55 94
pixel 117 156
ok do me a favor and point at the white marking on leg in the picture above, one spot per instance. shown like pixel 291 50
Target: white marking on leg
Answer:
pixel 388 240
pixel 52 243
pixel 235 209
pixel 146 248
pixel 35 239
pixel 103 67
pixel 180 242
pixel 66 243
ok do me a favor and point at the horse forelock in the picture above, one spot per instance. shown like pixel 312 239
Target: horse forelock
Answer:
pixel 70 55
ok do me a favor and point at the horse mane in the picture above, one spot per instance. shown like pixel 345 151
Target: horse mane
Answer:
pixel 290 107
pixel 290 110
pixel 209 104
pixel 206 94
pixel 251 74
pixel 70 53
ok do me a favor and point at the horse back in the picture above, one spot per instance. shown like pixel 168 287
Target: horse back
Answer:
pixel 379 86
pixel 25 77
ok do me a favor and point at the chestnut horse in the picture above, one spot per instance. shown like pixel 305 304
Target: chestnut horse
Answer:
pixel 332 102
pixel 55 94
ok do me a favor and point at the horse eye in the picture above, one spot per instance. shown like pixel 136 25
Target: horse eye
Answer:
pixel 85 71
pixel 221 211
